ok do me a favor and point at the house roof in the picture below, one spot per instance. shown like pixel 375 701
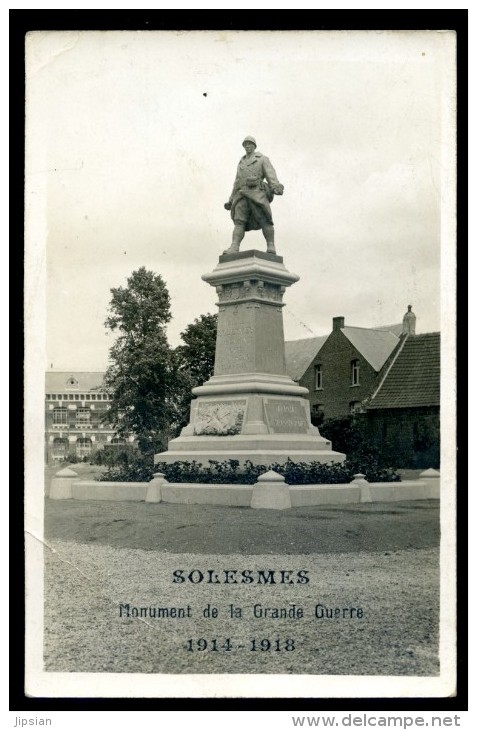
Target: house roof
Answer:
pixel 57 382
pixel 413 378
pixel 375 345
pixel 396 329
pixel 300 353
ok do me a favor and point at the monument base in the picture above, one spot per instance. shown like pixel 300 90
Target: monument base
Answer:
pixel 232 448
pixel 256 417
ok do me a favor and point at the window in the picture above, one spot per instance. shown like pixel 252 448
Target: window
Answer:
pixel 354 372
pixel 83 447
pixel 60 416
pixel 318 377
pixel 93 397
pixel 116 445
pixel 60 449
pixel 317 414
pixel 355 407
pixel 83 416
pixel 71 397
pixel 88 396
pixel 77 396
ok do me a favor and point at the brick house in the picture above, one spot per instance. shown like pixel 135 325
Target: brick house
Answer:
pixel 403 411
pixel 388 374
pixel 342 368
pixel 75 403
pixel 299 354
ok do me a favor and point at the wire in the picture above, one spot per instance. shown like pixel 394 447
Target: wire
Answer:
pixel 288 311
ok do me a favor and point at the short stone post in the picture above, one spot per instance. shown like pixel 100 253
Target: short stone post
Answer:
pixel 433 478
pixel 271 492
pixel 153 493
pixel 430 474
pixel 61 486
pixel 359 480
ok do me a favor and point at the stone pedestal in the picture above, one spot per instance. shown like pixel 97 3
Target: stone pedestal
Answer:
pixel 250 409
pixel 270 492
pixel 360 481
pixel 61 486
pixel 154 492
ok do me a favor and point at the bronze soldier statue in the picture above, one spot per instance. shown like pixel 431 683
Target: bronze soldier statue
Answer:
pixel 255 185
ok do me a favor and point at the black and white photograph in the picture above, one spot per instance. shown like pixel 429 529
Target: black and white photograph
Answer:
pixel 240 363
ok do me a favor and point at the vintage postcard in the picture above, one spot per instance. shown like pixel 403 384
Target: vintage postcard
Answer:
pixel 296 535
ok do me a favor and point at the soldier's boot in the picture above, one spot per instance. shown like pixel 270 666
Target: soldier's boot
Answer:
pixel 269 233
pixel 237 237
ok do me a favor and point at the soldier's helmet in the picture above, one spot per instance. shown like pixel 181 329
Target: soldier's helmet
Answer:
pixel 250 139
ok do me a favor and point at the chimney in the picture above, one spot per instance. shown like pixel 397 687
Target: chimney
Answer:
pixel 338 323
pixel 409 322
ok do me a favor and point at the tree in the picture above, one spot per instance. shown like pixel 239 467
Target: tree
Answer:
pixel 195 359
pixel 143 379
pixel 197 355
pixel 350 436
pixel 142 309
pixel 347 434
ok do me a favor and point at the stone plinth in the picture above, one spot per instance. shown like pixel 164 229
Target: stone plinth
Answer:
pixel 363 484
pixel 270 492
pixel 154 493
pixel 250 409
pixel 62 485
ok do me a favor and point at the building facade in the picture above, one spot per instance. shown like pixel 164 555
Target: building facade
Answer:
pixel 75 406
pixel 388 374
pixel 403 413
pixel 344 370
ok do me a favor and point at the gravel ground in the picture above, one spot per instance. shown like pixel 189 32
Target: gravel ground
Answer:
pixel 382 559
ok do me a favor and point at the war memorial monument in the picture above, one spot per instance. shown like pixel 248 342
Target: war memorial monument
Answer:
pixel 250 409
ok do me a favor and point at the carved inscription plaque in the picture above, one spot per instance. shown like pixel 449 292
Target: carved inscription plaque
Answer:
pixel 235 343
pixel 284 416
pixel 219 418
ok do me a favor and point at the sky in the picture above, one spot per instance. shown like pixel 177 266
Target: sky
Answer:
pixel 133 140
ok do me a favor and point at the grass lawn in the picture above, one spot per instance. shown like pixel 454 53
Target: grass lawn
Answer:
pixel 222 530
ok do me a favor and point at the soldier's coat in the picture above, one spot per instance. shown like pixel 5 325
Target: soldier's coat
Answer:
pixel 251 205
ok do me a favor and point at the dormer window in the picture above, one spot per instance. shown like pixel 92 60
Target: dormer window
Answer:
pixel 354 372
pixel 71 382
